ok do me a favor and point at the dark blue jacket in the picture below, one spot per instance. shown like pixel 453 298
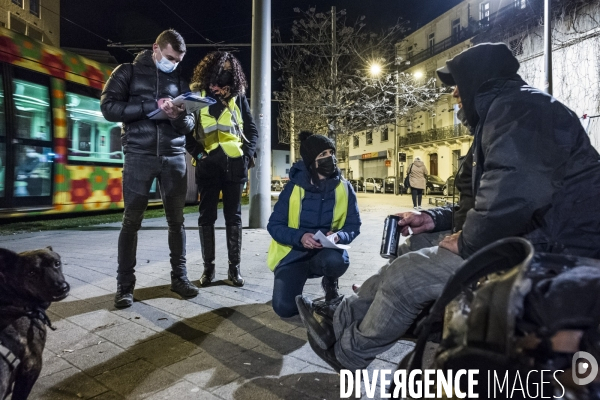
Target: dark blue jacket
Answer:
pixel 316 214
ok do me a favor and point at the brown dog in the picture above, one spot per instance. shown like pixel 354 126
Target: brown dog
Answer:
pixel 29 282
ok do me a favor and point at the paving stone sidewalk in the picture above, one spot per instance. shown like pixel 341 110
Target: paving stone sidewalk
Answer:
pixel 227 343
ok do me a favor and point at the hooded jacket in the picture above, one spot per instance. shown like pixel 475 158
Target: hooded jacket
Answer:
pixel 418 174
pixel 534 172
pixel 131 93
pixel 316 213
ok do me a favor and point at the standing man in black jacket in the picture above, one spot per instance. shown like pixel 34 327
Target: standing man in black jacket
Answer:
pixel 534 173
pixel 154 148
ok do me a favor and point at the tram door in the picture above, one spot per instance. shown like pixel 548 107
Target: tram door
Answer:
pixel 26 153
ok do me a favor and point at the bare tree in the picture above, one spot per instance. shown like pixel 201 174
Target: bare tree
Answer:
pixel 352 99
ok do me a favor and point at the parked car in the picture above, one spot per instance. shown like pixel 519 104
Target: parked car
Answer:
pixel 357 184
pixel 276 185
pixel 374 185
pixel 435 184
pixel 389 185
pixel 448 188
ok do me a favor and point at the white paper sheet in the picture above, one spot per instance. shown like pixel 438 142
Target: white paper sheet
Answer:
pixel 328 241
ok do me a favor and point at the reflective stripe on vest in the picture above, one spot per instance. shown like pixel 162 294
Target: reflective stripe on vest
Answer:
pixel 278 251
pixel 221 132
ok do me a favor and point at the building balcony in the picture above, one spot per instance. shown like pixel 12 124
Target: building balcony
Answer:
pixel 434 135
pixel 505 17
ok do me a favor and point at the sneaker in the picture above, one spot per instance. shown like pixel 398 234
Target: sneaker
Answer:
pixel 318 320
pixel 183 287
pixel 419 208
pixel 124 295
pixel 416 208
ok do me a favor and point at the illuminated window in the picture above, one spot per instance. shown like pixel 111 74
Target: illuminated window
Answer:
pixel 2 139
pixel 484 13
pixel 32 153
pixel 91 138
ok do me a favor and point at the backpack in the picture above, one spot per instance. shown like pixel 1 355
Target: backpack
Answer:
pixel 509 302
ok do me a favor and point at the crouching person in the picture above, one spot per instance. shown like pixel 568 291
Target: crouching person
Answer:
pixel 316 199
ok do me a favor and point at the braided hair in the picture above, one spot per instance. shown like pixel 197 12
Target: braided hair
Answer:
pixel 210 67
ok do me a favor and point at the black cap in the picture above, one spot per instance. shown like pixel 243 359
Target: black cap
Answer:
pixel 311 145
pixel 445 76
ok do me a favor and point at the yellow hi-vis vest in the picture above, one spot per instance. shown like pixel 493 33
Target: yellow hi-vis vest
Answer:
pixel 278 251
pixel 213 132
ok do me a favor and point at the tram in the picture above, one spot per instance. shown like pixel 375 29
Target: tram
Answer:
pixel 57 152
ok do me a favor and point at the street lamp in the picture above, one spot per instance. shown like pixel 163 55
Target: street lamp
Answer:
pixel 375 69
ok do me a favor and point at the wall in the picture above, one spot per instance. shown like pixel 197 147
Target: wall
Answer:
pixel 279 167
pixel 47 25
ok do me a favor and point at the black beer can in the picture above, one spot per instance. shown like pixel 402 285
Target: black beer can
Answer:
pixel 391 235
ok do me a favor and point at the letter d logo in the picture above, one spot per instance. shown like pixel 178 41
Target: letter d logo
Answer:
pixel 582 368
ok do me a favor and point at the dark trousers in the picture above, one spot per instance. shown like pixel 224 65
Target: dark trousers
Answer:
pixel 139 171
pixel 417 195
pixel 290 278
pixel 209 199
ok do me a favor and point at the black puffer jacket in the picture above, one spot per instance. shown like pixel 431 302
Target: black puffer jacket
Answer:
pixel 535 173
pixel 131 92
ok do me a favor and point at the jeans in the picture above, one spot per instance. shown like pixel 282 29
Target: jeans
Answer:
pixel 139 172
pixel 370 322
pixel 417 195
pixel 290 278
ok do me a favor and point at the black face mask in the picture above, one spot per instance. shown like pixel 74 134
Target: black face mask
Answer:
pixel 225 78
pixel 326 166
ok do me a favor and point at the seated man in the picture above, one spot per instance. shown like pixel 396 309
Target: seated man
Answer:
pixel 316 199
pixel 534 174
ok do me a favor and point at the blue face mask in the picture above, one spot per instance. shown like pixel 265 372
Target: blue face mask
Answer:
pixel 165 65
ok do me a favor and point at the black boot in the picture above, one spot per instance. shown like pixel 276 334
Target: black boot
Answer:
pixel 318 319
pixel 234 250
pixel 182 286
pixel 330 287
pixel 124 295
pixel 207 243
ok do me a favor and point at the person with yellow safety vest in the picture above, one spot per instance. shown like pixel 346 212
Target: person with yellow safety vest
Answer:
pixel 223 144
pixel 317 198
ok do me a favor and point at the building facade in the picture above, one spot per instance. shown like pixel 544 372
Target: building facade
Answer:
pixel 436 135
pixel 38 19
pixel 280 164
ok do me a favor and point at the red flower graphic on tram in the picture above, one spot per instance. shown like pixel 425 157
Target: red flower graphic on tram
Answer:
pixel 54 64
pixel 10 51
pixel 114 190
pixel 95 76
pixel 81 190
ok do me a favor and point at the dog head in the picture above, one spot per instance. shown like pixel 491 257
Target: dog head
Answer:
pixel 36 274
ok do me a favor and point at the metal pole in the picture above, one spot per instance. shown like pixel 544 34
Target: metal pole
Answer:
pixel 395 159
pixel 548 45
pixel 292 127
pixel 260 175
pixel 332 127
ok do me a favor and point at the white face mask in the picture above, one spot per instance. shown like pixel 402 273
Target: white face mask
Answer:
pixel 165 65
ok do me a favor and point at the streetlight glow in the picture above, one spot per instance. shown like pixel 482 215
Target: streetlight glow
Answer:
pixel 418 74
pixel 375 69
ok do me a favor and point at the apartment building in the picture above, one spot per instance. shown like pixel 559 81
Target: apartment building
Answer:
pixel 38 19
pixel 436 135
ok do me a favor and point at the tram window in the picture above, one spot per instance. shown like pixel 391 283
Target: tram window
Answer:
pixel 2 138
pixel 91 138
pixel 32 103
pixel 33 171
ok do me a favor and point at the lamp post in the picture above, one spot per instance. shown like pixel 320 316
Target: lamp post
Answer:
pixel 375 70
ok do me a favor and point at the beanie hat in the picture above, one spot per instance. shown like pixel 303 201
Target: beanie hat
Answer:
pixel 312 145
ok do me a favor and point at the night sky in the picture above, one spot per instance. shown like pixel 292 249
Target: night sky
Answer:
pixel 94 22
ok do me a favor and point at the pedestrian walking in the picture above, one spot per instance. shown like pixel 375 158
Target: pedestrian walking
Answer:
pixel 417 175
